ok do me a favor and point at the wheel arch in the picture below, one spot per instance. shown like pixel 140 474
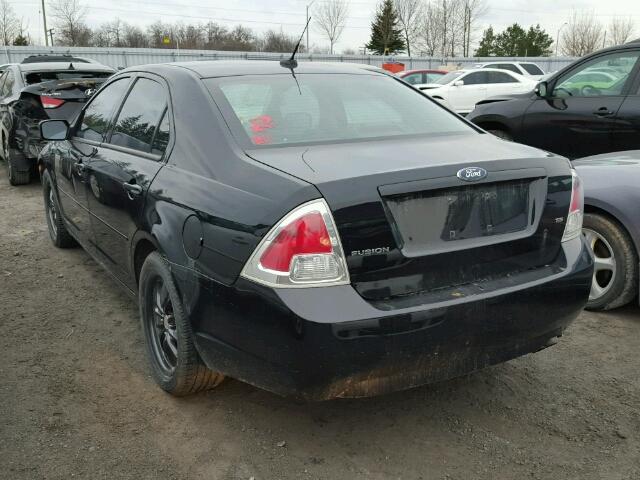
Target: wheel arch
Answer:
pixel 612 214
pixel 143 244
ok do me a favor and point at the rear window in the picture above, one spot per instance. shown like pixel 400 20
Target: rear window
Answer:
pixel 275 110
pixel 532 69
pixel 39 77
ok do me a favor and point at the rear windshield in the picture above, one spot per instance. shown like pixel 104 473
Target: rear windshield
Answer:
pixel 532 69
pixel 39 77
pixel 275 110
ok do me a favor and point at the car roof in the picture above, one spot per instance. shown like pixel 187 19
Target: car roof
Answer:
pixel 228 68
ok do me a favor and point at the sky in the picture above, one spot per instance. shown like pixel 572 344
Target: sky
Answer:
pixel 289 15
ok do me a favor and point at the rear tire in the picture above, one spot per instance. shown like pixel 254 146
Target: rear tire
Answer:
pixel 175 363
pixel 16 177
pixel 58 232
pixel 615 281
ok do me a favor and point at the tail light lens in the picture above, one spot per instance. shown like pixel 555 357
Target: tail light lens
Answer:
pixel 302 250
pixel 573 227
pixel 50 102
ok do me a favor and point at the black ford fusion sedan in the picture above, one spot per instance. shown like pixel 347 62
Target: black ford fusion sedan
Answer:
pixel 323 231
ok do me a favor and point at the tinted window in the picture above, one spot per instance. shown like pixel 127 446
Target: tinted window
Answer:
pixel 499 77
pixel 2 78
pixel 476 78
pixel 413 79
pixel 161 139
pixel 140 115
pixel 448 78
pixel 532 69
pixel 96 117
pixel 584 82
pixel 273 109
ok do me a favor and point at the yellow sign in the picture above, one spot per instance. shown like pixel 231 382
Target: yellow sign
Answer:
pixel 166 40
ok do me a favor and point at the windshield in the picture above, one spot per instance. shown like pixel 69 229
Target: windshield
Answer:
pixel 448 78
pixel 38 77
pixel 532 68
pixel 275 110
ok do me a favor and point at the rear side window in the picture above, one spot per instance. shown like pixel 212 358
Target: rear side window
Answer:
pixel 7 88
pixel 508 66
pixel 532 69
pixel 277 110
pixel 140 116
pixel 96 117
pixel 499 77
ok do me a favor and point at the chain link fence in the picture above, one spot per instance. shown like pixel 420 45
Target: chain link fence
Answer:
pixel 127 57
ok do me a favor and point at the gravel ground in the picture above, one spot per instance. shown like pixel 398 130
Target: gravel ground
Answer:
pixel 76 399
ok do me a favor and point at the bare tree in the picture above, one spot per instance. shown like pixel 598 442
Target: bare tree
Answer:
pixel 621 30
pixel 10 25
pixel 430 30
pixel 473 10
pixel 330 17
pixel 70 23
pixel 410 13
pixel 583 35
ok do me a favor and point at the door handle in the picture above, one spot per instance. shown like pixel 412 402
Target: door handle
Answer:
pixel 603 112
pixel 133 189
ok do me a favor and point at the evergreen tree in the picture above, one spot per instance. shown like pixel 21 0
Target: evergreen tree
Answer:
pixel 515 42
pixel 386 35
pixel 20 41
pixel 487 44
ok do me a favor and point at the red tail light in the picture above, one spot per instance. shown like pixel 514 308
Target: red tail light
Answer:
pixel 573 227
pixel 303 249
pixel 50 102
pixel 307 234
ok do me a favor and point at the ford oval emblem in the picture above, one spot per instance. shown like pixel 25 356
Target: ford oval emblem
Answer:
pixel 472 174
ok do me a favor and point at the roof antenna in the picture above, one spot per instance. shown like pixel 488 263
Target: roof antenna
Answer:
pixel 292 62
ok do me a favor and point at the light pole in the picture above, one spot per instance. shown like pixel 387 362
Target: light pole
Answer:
pixel 558 37
pixel 305 21
pixel 44 20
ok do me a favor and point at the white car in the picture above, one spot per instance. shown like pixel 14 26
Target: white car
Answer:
pixel 526 69
pixel 462 89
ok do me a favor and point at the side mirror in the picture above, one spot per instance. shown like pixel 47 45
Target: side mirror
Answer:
pixel 542 90
pixel 54 129
pixel 458 83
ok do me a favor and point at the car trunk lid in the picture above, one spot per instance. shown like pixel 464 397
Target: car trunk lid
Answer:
pixel 409 225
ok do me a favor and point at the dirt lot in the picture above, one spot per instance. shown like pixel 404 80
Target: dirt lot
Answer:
pixel 76 399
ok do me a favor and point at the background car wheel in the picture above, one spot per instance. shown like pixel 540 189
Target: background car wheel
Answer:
pixel 16 177
pixel 58 232
pixel 175 364
pixel 615 281
pixel 501 134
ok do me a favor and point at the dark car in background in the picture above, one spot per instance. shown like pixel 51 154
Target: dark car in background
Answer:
pixel 41 87
pixel 590 107
pixel 318 231
pixel 612 225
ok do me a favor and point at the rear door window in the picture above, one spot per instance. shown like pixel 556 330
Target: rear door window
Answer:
pixel 414 78
pixel 140 116
pixel 532 69
pixel 508 66
pixel 97 115
pixel 500 77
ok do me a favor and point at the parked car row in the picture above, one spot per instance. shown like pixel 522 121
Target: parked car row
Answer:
pixel 39 88
pixel 322 230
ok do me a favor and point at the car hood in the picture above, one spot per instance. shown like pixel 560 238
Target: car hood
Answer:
pixel 403 156
pixel 628 158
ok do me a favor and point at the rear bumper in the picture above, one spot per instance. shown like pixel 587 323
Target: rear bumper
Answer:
pixel 323 343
